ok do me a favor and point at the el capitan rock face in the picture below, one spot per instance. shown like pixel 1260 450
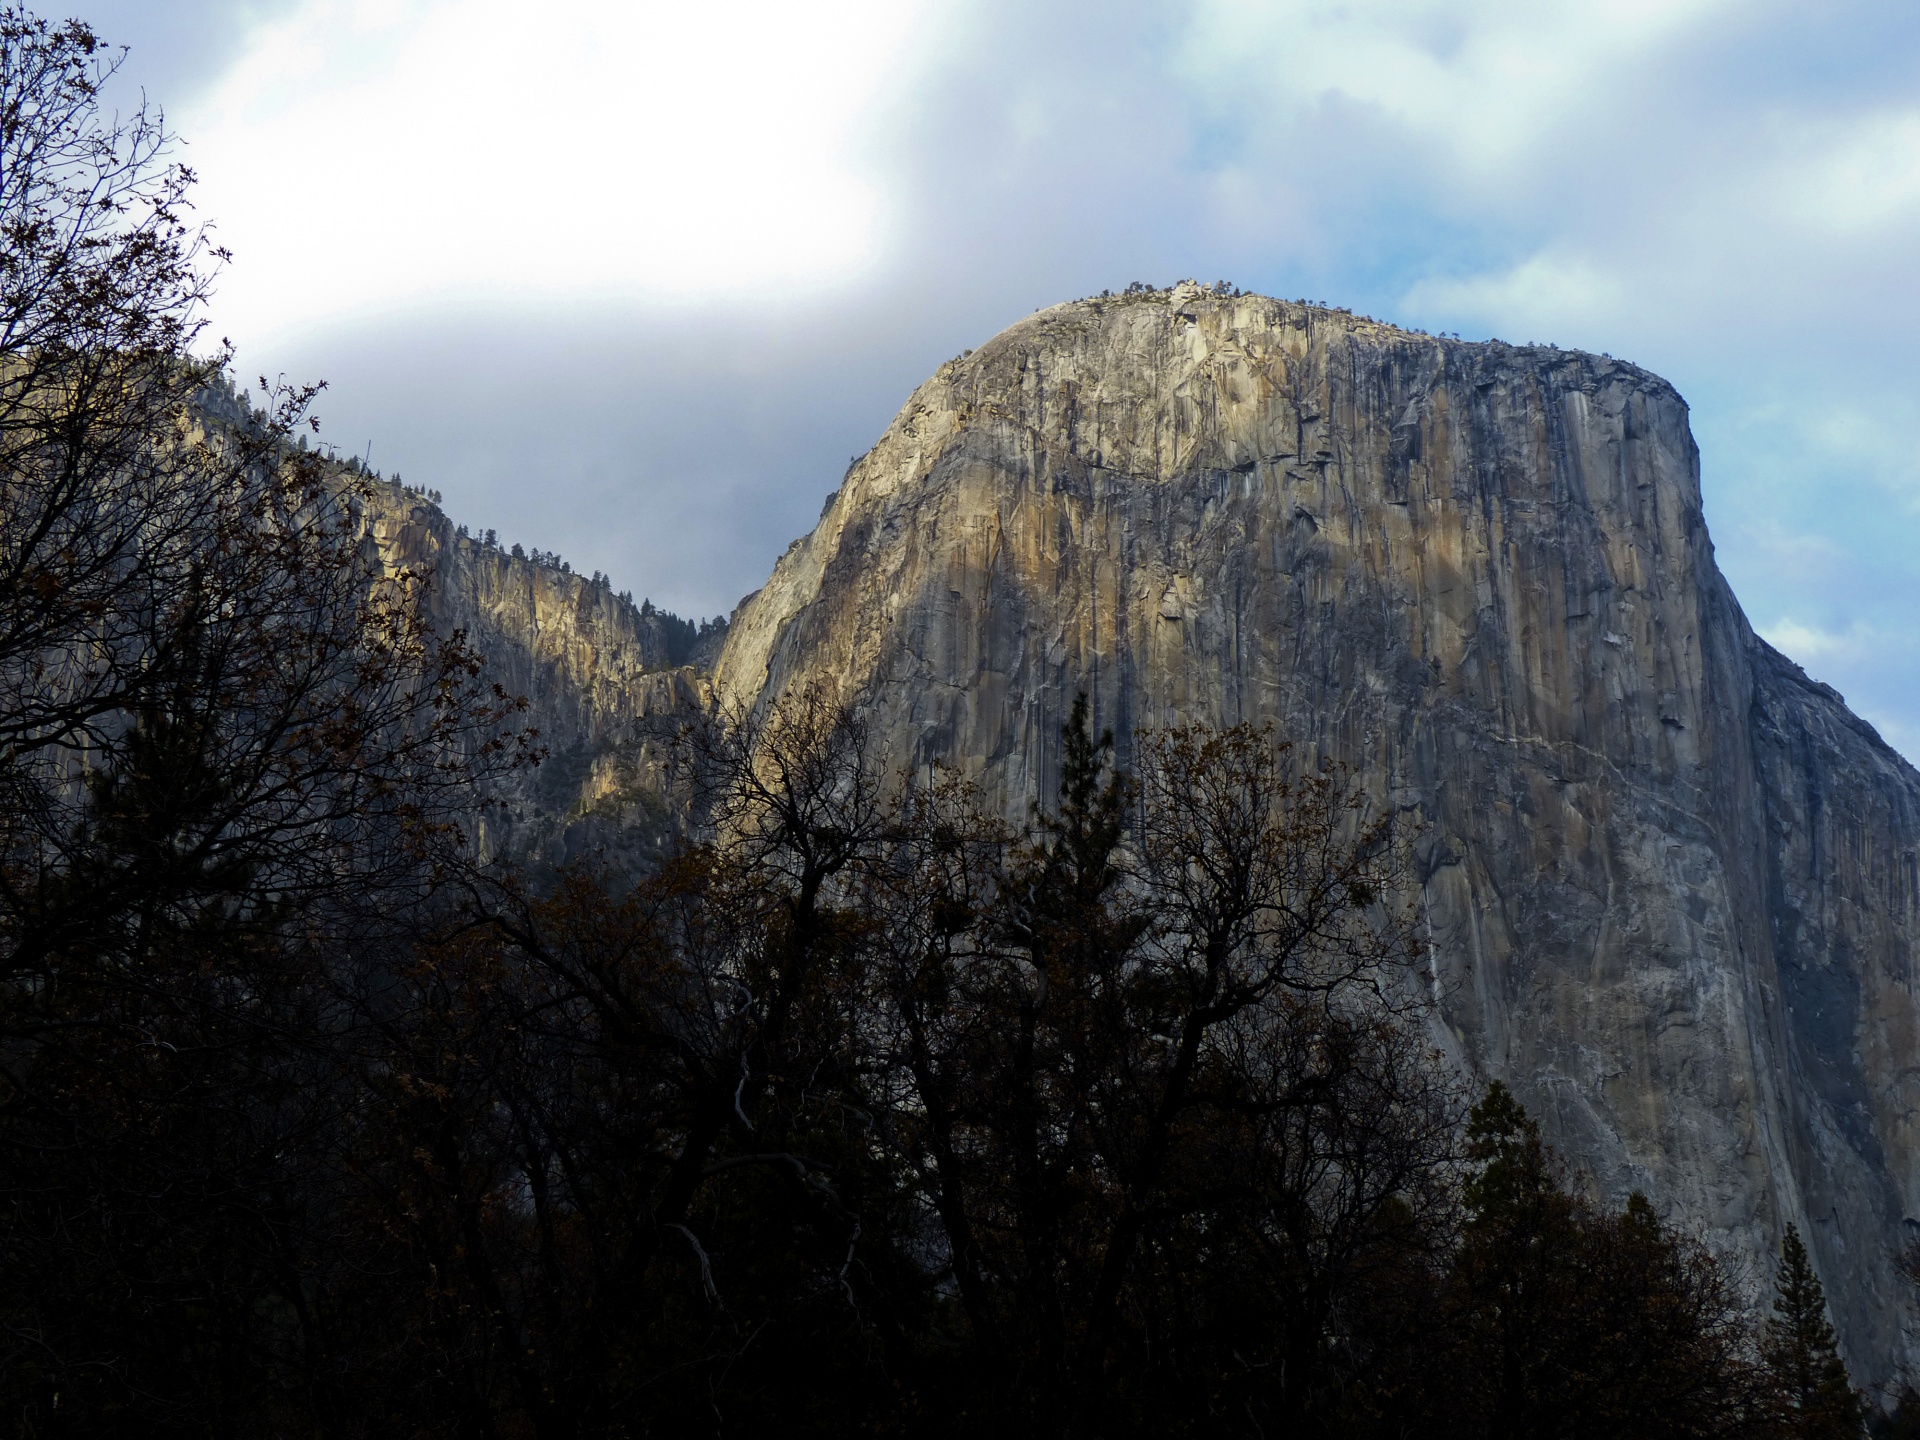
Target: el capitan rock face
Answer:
pixel 1670 884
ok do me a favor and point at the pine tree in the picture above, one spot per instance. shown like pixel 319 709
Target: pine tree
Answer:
pixel 1515 1182
pixel 1902 1422
pixel 1814 1397
pixel 1515 1267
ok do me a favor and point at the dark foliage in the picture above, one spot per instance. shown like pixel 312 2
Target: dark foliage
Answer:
pixel 1811 1394
pixel 1572 1322
pixel 688 642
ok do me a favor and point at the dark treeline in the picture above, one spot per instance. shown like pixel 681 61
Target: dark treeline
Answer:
pixel 862 1112
pixel 861 1115
pixel 687 640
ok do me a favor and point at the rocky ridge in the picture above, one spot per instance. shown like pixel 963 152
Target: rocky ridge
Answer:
pixel 592 665
pixel 1669 883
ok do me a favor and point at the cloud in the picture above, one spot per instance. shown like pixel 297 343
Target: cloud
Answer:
pixel 475 154
pixel 1483 87
pixel 1814 647
pixel 1858 177
pixel 1542 295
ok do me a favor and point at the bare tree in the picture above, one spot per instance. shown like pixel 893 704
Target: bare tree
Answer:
pixel 210 690
pixel 225 733
pixel 1168 1013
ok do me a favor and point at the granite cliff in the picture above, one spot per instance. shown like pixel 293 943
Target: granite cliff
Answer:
pixel 1669 883
pixel 591 663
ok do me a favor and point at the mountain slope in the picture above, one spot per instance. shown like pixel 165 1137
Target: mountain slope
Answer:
pixel 1670 883
pixel 592 665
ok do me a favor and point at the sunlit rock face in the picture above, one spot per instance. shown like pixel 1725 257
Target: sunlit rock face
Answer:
pixel 1669 883
pixel 593 667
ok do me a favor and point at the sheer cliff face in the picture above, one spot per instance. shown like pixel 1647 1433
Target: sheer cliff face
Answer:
pixel 591 665
pixel 1670 883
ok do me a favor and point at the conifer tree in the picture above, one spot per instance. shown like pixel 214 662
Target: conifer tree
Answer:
pixel 1900 1423
pixel 1515 1183
pixel 1516 1266
pixel 1814 1398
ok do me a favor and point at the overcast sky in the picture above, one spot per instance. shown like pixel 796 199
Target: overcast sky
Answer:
pixel 634 280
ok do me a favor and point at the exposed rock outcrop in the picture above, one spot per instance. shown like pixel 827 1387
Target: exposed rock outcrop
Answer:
pixel 592 665
pixel 1670 883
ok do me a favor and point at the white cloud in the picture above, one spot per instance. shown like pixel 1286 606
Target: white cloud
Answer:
pixel 1544 295
pixel 365 155
pixel 1645 176
pixel 1854 177
pixel 1484 82
pixel 1816 648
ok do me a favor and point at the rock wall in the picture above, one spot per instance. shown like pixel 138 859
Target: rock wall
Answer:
pixel 1670 883
pixel 592 665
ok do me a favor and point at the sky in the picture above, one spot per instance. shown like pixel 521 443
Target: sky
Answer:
pixel 633 281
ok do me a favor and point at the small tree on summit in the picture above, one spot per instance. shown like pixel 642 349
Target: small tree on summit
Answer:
pixel 1814 1397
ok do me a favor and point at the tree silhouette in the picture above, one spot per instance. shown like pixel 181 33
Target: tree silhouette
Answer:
pixel 1516 1268
pixel 1814 1398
